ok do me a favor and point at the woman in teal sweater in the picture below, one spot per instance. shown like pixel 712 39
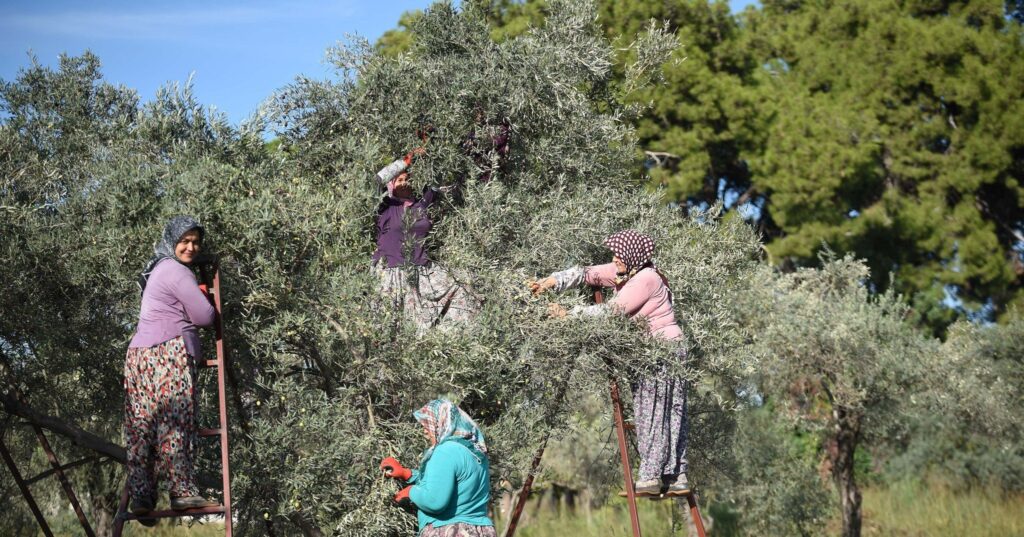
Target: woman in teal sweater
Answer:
pixel 451 488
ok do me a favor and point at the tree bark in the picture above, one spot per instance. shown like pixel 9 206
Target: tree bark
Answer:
pixel 104 495
pixel 78 436
pixel 847 436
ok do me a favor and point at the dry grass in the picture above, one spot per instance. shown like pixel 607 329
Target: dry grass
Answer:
pixel 904 509
pixel 932 509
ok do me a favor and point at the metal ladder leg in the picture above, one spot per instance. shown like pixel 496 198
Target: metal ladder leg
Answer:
pixel 24 490
pixel 627 467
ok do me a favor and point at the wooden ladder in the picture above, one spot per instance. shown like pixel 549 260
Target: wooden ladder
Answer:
pixel 627 468
pixel 221 432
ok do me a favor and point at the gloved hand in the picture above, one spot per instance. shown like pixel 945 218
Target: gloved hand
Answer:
pixel 394 469
pixel 410 156
pixel 206 292
pixel 402 500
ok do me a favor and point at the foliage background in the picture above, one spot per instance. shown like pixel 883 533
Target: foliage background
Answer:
pixel 886 131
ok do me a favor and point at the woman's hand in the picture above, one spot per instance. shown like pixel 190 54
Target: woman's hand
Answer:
pixel 403 500
pixel 415 153
pixel 539 286
pixel 394 469
pixel 557 311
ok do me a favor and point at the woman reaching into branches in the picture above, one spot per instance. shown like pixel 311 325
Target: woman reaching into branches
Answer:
pixel 659 402
pixel 159 373
pixel 426 291
pixel 451 488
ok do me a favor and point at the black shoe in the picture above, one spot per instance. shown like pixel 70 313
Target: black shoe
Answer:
pixel 141 507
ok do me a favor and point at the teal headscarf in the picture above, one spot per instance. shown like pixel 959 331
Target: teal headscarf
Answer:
pixel 443 421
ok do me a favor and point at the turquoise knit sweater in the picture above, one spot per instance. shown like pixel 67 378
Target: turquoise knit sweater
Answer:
pixel 453 486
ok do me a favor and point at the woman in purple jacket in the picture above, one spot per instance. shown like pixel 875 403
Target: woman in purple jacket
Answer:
pixel 159 373
pixel 427 292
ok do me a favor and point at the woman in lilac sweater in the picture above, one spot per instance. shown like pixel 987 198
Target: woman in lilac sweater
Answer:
pixel 659 402
pixel 159 373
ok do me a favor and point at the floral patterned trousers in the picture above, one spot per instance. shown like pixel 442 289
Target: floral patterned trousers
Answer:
pixel 160 419
pixel 659 411
pixel 427 295
pixel 459 529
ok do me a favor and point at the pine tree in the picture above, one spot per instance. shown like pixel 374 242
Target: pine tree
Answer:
pixel 881 129
pixel 895 138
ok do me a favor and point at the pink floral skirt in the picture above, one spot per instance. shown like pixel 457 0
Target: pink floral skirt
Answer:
pixel 459 529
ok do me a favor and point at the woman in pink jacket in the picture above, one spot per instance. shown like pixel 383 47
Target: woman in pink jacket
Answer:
pixel 659 402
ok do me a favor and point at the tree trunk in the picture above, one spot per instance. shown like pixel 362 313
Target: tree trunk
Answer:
pixel 101 485
pixel 78 436
pixel 847 436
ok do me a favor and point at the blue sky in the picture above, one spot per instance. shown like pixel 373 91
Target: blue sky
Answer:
pixel 238 52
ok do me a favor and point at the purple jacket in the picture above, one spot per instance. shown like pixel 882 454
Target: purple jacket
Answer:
pixel 391 230
pixel 172 306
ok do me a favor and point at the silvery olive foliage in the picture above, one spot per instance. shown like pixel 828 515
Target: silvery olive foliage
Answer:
pixel 566 185
pixel 325 374
pixel 846 370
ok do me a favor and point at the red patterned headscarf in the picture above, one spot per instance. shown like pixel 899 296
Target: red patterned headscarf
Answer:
pixel 632 247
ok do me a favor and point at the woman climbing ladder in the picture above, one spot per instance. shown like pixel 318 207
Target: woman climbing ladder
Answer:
pixel 159 373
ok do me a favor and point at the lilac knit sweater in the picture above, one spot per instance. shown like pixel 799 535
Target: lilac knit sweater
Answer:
pixel 172 306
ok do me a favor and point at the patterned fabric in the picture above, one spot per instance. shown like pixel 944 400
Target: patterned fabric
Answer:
pixel 390 172
pixel 568 278
pixel 159 419
pixel 428 295
pixel 633 248
pixel 459 529
pixel 662 428
pixel 164 248
pixel 442 420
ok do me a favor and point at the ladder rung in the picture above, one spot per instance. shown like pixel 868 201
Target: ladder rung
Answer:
pixel 210 363
pixel 215 510
pixel 210 432
pixel 667 497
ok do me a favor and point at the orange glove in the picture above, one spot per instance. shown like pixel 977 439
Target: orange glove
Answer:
pixel 394 469
pixel 402 500
pixel 418 152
